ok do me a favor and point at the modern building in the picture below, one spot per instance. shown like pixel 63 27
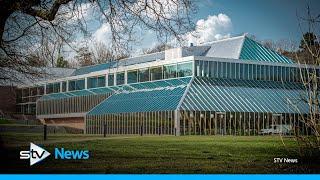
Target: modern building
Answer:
pixel 233 86
pixel 25 86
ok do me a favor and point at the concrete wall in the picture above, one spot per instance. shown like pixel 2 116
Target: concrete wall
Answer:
pixel 74 122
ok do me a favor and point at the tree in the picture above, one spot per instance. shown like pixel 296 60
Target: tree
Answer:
pixel 157 48
pixel 308 40
pixel 61 63
pixel 102 54
pixel 84 57
pixel 29 25
pixel 309 145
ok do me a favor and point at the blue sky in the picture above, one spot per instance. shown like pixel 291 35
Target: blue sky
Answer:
pixel 266 19
pixel 216 19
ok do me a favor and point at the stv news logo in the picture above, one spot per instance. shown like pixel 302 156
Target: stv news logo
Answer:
pixel 37 154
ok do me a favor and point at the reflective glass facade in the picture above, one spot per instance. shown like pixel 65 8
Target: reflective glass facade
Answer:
pixel 231 70
pixel 132 76
pixel 120 78
pixel 76 85
pixel 97 81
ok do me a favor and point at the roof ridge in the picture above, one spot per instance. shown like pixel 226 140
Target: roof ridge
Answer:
pixel 225 39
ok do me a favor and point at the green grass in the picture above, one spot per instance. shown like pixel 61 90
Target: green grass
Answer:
pixel 5 121
pixel 167 154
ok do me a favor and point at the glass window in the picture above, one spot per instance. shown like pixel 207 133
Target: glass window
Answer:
pixel 245 71
pixel 120 78
pixel 40 90
pixel 170 71
pixel 221 69
pixel 92 82
pixel 267 75
pixel 283 74
pixel 64 86
pixel 278 73
pixel 205 68
pixel 201 73
pixel 72 85
pixel 156 73
pixel 33 91
pixel 80 84
pixel 275 73
pixel 212 70
pixel 111 79
pixel 197 69
pixel 227 69
pixel 237 76
pixel 232 72
pixel 19 95
pixel 56 87
pixel 49 88
pixel 241 71
pixel 132 76
pixel 101 81
pixel 255 71
pixel 261 69
pixel 144 75
pixel 250 72
pixel 294 74
pixel 185 69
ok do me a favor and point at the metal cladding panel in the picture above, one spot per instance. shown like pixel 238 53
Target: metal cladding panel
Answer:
pixel 226 48
pixel 141 101
pixel 84 92
pixel 161 95
pixel 140 59
pixel 89 69
pixel 251 50
pixel 226 95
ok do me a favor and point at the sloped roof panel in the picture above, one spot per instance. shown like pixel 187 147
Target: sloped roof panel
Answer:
pixel 122 62
pixel 89 69
pixel 252 50
pixel 84 92
pixel 140 101
pixel 226 48
pixel 148 97
pixel 223 95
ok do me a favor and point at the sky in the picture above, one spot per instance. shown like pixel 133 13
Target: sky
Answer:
pixel 217 19
pixel 265 19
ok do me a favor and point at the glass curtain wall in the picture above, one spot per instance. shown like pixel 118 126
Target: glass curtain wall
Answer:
pixel 140 123
pixel 196 123
pixel 230 70
pixel 239 123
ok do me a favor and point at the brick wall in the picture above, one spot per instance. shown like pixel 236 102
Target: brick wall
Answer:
pixel 8 98
pixel 75 122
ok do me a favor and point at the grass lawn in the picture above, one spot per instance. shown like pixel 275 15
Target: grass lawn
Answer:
pixel 159 154
pixel 5 121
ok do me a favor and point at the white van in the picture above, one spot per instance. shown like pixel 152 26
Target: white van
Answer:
pixel 277 129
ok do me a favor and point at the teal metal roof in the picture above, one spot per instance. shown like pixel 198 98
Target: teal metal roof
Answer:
pixel 223 95
pixel 89 69
pixel 84 92
pixel 122 62
pixel 145 97
pixel 252 50
pixel 120 88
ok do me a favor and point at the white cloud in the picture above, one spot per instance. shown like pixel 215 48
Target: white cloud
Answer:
pixel 215 27
pixel 84 11
pixel 102 34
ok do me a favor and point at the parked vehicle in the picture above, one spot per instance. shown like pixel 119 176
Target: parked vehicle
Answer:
pixel 277 129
